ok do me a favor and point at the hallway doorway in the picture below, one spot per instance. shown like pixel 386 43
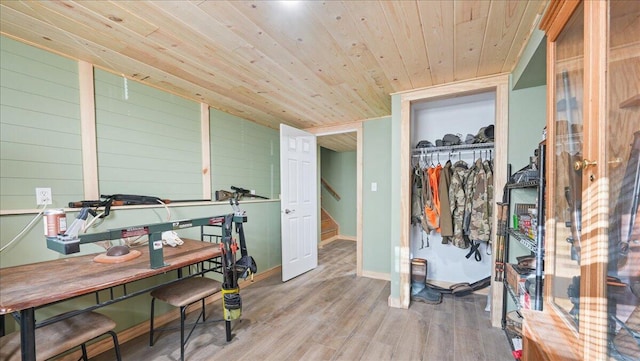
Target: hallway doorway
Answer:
pixel 348 140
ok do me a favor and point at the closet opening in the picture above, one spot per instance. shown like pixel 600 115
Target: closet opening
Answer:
pixel 453 136
pixel 438 101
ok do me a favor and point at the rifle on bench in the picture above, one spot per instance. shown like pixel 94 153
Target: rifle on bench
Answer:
pixel 124 200
pixel 238 194
pixel 107 203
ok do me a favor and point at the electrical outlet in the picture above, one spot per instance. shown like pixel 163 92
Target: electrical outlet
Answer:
pixel 43 196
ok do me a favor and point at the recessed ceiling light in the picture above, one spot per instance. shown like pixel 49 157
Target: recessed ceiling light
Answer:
pixel 290 3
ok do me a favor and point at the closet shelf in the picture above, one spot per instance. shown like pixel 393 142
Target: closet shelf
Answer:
pixel 454 148
pixel 524 240
pixel 514 298
pixel 529 184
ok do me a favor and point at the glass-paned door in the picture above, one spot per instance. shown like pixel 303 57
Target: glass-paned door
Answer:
pixel 622 154
pixel 567 208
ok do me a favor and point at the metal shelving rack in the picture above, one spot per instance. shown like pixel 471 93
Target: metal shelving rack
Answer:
pixel 524 240
pixel 535 246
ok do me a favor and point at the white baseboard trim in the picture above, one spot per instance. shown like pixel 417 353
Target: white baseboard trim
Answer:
pixel 394 302
pixel 335 238
pixel 377 275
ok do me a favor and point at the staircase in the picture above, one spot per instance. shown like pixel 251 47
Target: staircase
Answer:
pixel 329 227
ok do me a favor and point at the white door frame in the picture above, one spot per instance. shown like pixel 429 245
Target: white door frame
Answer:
pixel 340 129
pixel 497 83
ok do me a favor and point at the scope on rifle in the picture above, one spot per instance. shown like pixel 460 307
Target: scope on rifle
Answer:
pixel 240 190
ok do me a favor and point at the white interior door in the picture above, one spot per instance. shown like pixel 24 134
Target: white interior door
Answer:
pixel 298 201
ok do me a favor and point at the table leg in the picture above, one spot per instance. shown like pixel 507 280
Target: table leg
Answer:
pixel 28 334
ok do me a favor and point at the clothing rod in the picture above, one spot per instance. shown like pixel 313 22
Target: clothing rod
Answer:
pixel 464 148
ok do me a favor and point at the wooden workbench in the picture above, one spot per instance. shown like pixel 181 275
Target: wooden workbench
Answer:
pixel 27 287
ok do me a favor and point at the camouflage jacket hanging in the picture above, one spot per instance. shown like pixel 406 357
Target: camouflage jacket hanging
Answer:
pixel 457 201
pixel 481 200
pixel 416 196
pixel 469 190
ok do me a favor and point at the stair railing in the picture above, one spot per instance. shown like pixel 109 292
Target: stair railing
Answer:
pixel 330 189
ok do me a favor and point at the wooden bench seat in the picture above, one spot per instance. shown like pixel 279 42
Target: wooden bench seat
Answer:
pixel 60 336
pixel 187 291
pixel 182 294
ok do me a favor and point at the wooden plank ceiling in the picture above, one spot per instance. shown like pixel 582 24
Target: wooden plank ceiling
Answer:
pixel 307 64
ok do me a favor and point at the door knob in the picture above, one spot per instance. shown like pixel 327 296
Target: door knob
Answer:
pixel 287 211
pixel 584 164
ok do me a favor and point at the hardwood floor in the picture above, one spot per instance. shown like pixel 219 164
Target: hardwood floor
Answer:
pixel 329 314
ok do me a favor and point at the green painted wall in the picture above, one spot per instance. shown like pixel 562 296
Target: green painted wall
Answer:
pixel 244 154
pixel 527 118
pixel 531 70
pixel 339 170
pixel 527 101
pixel 148 140
pixel 376 205
pixel 40 147
pixel 40 144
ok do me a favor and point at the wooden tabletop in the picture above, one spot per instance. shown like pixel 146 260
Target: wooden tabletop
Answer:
pixel 38 284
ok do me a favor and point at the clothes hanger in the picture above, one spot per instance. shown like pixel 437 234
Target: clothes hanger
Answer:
pixel 416 168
